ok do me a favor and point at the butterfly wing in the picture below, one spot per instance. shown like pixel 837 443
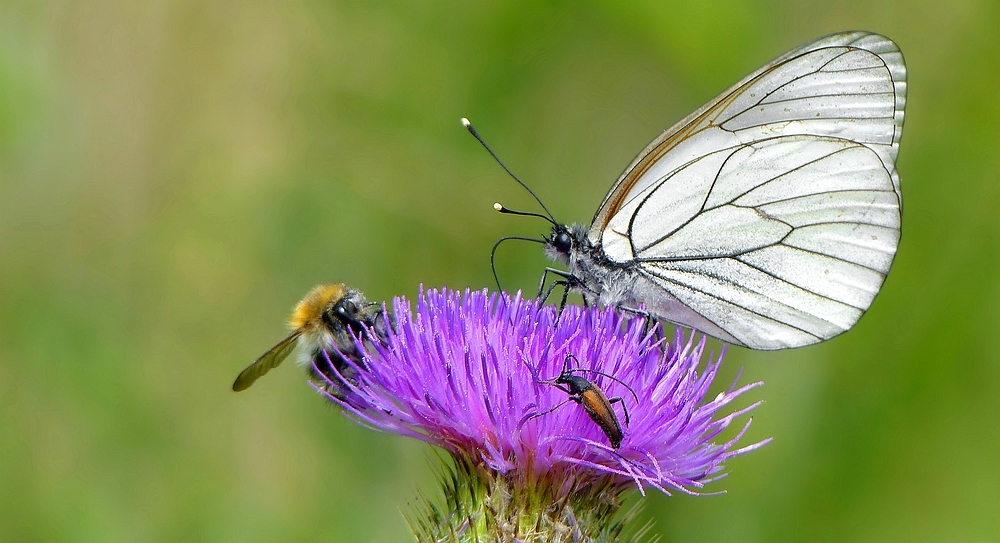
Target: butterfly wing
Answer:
pixel 770 216
pixel 267 361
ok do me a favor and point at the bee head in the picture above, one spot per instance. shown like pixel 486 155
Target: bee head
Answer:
pixel 345 311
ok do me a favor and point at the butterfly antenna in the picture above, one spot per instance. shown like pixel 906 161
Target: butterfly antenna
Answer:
pixel 508 211
pixel 493 254
pixel 468 126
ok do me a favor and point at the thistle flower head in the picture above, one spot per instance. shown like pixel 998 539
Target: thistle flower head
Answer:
pixel 473 373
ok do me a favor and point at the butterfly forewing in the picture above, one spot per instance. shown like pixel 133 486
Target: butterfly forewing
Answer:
pixel 772 213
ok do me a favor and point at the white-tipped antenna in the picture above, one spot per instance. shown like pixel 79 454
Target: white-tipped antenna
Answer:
pixel 468 126
pixel 508 211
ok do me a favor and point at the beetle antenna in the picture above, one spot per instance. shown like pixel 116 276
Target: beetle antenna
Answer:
pixel 612 377
pixel 468 126
pixel 565 368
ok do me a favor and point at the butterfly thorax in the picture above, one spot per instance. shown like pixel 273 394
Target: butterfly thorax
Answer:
pixel 598 279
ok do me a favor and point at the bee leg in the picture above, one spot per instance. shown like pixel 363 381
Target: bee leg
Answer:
pixel 332 385
pixel 619 400
pixel 332 372
pixel 383 323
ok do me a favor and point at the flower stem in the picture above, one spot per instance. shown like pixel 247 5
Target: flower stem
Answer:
pixel 480 504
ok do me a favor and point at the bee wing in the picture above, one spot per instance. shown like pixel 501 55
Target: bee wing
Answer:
pixel 267 361
pixel 772 213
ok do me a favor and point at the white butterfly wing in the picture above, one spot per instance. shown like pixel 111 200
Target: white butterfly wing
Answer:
pixel 770 216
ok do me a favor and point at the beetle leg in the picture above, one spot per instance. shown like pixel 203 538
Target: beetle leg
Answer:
pixel 558 405
pixel 567 390
pixel 619 400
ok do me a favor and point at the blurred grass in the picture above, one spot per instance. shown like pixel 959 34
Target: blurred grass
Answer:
pixel 174 175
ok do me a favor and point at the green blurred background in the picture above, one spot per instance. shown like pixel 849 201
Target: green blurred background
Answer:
pixel 175 174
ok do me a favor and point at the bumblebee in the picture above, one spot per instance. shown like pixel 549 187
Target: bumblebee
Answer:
pixel 329 315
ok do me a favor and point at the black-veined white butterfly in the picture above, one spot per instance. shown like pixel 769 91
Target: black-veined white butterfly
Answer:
pixel 769 217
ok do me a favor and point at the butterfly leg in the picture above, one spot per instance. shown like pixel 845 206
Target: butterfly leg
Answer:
pixel 650 320
pixel 548 292
pixel 553 271
pixel 634 311
pixel 565 296
pixel 619 400
pixel 567 288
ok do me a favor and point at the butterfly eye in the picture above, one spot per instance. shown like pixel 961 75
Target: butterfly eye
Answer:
pixel 562 241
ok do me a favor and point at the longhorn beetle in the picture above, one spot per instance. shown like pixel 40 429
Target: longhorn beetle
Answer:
pixel 591 398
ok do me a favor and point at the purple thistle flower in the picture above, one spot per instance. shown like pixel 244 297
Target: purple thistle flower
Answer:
pixel 466 372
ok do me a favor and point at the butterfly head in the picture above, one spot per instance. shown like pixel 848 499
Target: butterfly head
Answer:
pixel 566 242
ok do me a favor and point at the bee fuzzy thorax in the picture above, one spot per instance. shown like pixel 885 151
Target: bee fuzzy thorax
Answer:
pixel 309 312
